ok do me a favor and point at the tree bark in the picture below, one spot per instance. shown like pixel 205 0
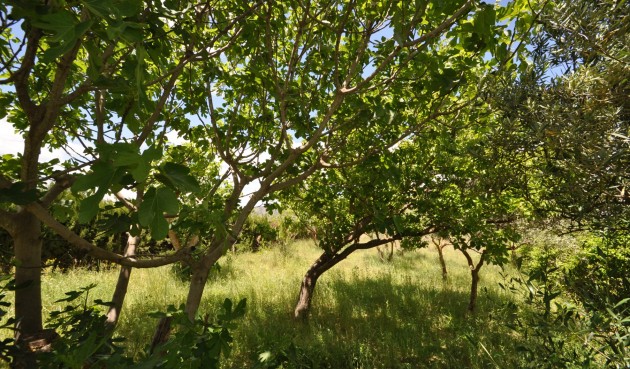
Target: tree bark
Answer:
pixel 442 262
pixel 28 256
pixel 321 265
pixel 439 246
pixel 28 297
pixel 199 279
pixel 474 274
pixel 122 284
pixel 307 288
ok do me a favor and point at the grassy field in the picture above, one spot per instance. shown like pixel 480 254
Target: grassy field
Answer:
pixel 366 313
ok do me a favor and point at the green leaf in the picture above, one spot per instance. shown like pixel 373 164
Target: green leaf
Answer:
pixel 127 158
pixel 99 175
pixel 398 223
pixel 65 29
pixel 89 207
pixel 101 8
pixel 485 19
pixel 177 176
pixel 156 202
pixel 61 24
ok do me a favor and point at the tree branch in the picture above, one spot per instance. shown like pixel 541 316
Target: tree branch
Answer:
pixel 62 183
pixel 97 252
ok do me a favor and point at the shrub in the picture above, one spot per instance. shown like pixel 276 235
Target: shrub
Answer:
pixel 599 275
pixel 573 314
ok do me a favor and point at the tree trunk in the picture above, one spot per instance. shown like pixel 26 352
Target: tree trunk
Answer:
pixel 27 245
pixel 195 291
pixel 28 256
pixel 121 285
pixel 307 288
pixel 390 253
pixel 474 273
pixel 162 333
pixel 322 264
pixel 442 262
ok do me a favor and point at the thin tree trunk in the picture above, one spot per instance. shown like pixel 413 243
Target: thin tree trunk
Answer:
pixel 195 293
pixel 442 262
pixel 390 252
pixel 474 274
pixel 162 333
pixel 121 285
pixel 201 269
pixel 28 298
pixel 197 284
pixel 439 246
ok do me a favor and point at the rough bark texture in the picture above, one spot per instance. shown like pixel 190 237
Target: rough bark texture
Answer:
pixel 121 285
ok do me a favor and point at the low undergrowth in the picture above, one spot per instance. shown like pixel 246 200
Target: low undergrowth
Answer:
pixel 366 313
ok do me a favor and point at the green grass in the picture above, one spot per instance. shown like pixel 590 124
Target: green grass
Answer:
pixel 366 313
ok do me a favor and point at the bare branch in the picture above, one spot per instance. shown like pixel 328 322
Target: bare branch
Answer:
pixel 125 202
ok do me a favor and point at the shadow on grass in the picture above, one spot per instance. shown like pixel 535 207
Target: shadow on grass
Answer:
pixel 376 323
pixel 382 320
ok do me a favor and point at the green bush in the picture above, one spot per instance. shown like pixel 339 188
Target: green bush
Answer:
pixel 576 311
pixel 258 231
pixel 599 274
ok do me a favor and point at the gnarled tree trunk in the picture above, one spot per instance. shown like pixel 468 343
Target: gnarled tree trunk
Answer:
pixel 326 261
